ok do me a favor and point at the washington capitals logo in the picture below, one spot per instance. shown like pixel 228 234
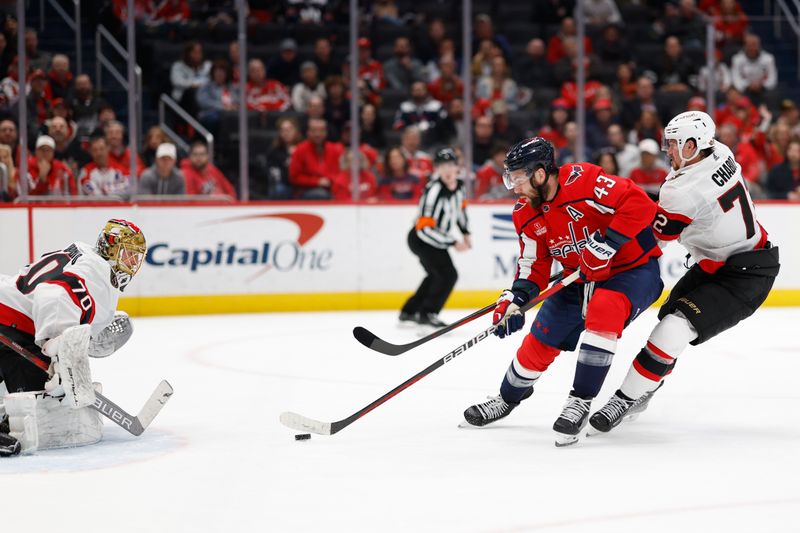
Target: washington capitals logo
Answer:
pixel 563 246
pixel 576 173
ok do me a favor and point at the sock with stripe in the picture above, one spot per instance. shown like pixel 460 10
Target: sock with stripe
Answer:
pixel 594 360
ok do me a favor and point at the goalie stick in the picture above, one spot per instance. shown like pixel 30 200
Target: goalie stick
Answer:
pixel 299 422
pixel 373 342
pixel 135 425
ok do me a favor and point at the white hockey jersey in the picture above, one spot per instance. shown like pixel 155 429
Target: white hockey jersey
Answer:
pixel 62 289
pixel 707 207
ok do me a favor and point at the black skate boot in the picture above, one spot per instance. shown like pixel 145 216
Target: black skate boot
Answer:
pixel 496 408
pixel 431 320
pixel 572 420
pixel 619 408
pixel 408 320
pixel 8 445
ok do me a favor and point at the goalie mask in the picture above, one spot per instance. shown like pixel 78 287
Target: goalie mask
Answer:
pixel 122 244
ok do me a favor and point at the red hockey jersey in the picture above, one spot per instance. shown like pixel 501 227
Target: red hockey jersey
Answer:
pixel 587 200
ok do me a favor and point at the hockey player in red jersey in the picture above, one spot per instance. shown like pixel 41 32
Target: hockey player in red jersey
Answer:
pixel 704 204
pixel 586 220
pixel 64 295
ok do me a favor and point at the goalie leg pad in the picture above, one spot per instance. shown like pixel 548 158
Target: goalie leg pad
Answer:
pixel 41 422
pixel 73 366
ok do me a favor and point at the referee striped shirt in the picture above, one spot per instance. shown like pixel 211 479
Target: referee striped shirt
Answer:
pixel 439 209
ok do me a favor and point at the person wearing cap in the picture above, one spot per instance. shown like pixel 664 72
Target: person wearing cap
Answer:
pixel 403 68
pixel 163 177
pixel 649 175
pixel 370 71
pixel 262 94
pixel 442 206
pixel 553 130
pixel 46 174
pixel 310 85
pixel 285 66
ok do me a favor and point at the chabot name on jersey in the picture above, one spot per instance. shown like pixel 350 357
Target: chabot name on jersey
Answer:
pixel 286 255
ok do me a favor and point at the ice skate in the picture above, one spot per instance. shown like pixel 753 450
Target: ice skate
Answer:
pixel 572 420
pixel 485 413
pixel 407 320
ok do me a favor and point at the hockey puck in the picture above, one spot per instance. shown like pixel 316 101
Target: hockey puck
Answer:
pixel 302 436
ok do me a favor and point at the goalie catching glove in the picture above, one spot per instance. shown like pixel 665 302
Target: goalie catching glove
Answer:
pixel 507 317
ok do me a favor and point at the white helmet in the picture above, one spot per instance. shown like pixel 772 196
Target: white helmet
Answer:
pixel 694 125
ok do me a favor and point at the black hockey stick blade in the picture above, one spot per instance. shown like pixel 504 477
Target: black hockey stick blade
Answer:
pixel 299 422
pixel 373 342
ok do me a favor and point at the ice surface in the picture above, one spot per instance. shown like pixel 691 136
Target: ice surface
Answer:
pixel 718 450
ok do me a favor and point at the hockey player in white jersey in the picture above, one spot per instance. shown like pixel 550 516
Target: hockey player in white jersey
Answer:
pixel 705 205
pixel 52 308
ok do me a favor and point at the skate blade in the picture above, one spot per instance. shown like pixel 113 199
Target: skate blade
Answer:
pixel 563 440
pixel 592 432
pixel 407 325
pixel 466 425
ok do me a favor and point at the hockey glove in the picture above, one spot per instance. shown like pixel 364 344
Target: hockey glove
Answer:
pixel 596 258
pixel 507 317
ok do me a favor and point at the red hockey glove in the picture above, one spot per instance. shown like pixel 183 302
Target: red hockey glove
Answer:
pixel 596 258
pixel 507 316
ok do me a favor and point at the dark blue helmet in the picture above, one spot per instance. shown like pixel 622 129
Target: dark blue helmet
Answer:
pixel 531 154
pixel 445 155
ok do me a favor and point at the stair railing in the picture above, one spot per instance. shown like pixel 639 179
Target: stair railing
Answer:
pixel 73 23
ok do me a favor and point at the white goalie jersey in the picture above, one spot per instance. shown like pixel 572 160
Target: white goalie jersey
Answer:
pixel 707 207
pixel 62 289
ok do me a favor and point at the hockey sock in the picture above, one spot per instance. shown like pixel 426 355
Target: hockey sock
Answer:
pixel 594 360
pixel 517 381
pixel 657 359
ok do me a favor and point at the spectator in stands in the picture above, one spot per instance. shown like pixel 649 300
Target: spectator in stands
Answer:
pixel 612 49
pixel 38 101
pixel 155 137
pixel 568 152
pixel 644 100
pixel 285 67
pixel 569 89
pixel 9 136
pixel 233 62
pixel 9 88
pixel 105 116
pixel 790 114
pixel 608 161
pixel 264 94
pixel 420 163
pixel 102 176
pixel 371 127
pixel 482 139
pixel 448 85
pixel 484 31
pixel 553 130
pixel 316 109
pixel 67 147
pixel 555 47
pixel 202 176
pixel 783 181
pixel 482 59
pixel 37 59
pixel 675 68
pixel 422 111
pixel 600 13
pixel 397 182
pixel 6 53
pixel 598 124
pixel 649 175
pixel 780 134
pixel 367 163
pixel 315 164
pixel 304 12
pixel 753 69
pixel 188 74
pixel 686 23
pixel 503 128
pixel 46 174
pixel 327 63
pixel 119 151
pixel 447 48
pixel 163 177
pixel 8 173
pixel 274 183
pixel 172 11
pixel 216 96
pixel 730 23
pixel 648 126
pixel 386 12
pixel 627 154
pixel 746 156
pixel 532 70
pixel 624 87
pixel 337 105
pixel 489 183
pixel 308 87
pixel 499 85
pixel 85 104
pixel 370 71
pixel 722 76
pixel 454 123
pixel 427 45
pixel 59 78
pixel 403 68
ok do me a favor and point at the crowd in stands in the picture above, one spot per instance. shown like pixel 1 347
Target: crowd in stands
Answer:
pixel 645 62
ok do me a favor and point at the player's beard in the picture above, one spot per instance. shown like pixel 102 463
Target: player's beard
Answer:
pixel 541 191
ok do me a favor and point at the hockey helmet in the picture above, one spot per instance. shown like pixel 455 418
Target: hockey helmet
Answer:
pixel 445 155
pixel 122 245
pixel 695 125
pixel 529 154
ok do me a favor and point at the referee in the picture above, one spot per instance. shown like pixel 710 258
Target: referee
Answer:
pixel 442 205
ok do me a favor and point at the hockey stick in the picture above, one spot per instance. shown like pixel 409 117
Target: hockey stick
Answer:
pixel 135 425
pixel 373 342
pixel 303 423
